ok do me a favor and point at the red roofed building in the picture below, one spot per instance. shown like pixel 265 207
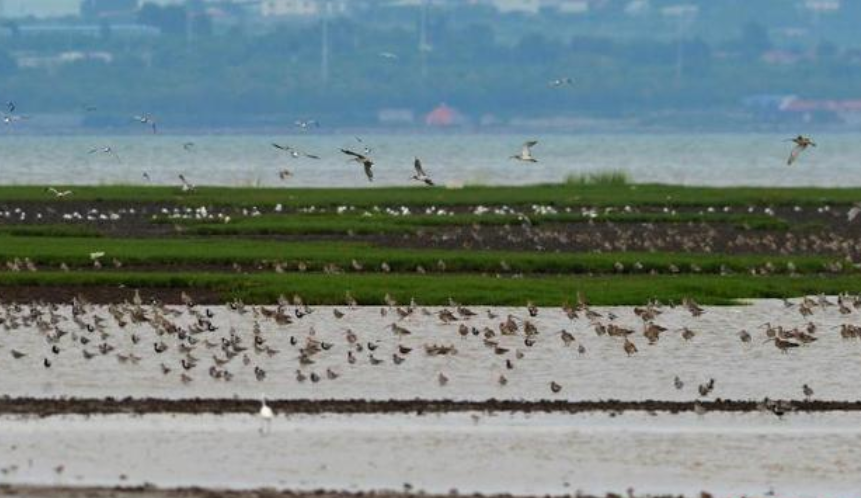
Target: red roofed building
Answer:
pixel 444 115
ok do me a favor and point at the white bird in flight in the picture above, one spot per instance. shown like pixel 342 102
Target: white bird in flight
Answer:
pixel 59 194
pixel 294 152
pixel 305 124
pixel 106 150
pixel 526 152
pixel 146 119
pixel 559 82
pixel 420 175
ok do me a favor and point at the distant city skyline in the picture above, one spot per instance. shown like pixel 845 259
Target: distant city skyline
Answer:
pixel 48 8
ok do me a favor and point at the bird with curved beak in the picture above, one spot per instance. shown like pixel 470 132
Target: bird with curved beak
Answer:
pixel 362 159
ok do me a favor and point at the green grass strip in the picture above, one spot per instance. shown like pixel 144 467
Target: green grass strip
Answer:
pixel 467 289
pixel 213 251
pixel 556 194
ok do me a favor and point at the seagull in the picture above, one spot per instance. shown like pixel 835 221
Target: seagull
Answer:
pixel 188 146
pixel 186 185
pixel 305 124
pixel 294 152
pixel 389 56
pixel 285 174
pixel 420 175
pixel 11 107
pixel 526 153
pixel 801 143
pixel 558 82
pixel 363 160
pixel 106 150
pixel 59 194
pixel 146 120
pixel 266 415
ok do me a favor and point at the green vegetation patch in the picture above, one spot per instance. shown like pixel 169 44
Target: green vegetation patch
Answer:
pixel 586 193
pixel 316 255
pixel 466 289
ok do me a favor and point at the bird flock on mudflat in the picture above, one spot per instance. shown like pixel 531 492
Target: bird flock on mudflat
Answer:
pixel 191 341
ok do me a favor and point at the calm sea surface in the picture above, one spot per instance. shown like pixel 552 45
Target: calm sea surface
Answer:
pixel 706 159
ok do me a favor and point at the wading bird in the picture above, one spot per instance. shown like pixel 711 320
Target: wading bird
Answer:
pixel 266 416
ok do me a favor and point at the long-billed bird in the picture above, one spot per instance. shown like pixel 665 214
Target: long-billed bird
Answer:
pixel 364 160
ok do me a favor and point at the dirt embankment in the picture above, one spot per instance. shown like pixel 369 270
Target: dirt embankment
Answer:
pixel 141 406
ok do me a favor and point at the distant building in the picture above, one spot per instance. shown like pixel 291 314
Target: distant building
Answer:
pixel 443 116
pixel 109 9
pixel 301 8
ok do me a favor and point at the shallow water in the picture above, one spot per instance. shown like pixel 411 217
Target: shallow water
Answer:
pixel 802 455
pixel 710 159
pixel 830 366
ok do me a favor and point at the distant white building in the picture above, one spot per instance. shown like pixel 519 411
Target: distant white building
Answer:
pixel 301 8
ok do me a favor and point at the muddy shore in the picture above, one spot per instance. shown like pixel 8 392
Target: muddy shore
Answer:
pixel 45 407
pixel 196 492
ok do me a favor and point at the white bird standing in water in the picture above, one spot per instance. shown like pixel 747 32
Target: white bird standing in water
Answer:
pixel 526 152
pixel 266 415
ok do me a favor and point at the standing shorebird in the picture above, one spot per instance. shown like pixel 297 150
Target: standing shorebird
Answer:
pixel 526 152
pixel 420 175
pixel 362 159
pixel 266 416
pixel 801 144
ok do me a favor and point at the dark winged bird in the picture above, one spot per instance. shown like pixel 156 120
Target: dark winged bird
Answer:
pixel 801 144
pixel 363 160
pixel 294 152
pixel 420 175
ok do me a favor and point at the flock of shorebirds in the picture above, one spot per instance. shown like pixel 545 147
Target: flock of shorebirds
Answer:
pixel 189 337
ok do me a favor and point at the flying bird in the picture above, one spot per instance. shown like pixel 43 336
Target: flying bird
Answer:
pixel 106 150
pixel 365 149
pixel 389 56
pixel 294 152
pixel 145 119
pixel 526 153
pixel 559 82
pixel 188 146
pixel 363 160
pixel 305 124
pixel 285 174
pixel 59 194
pixel 801 144
pixel 420 175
